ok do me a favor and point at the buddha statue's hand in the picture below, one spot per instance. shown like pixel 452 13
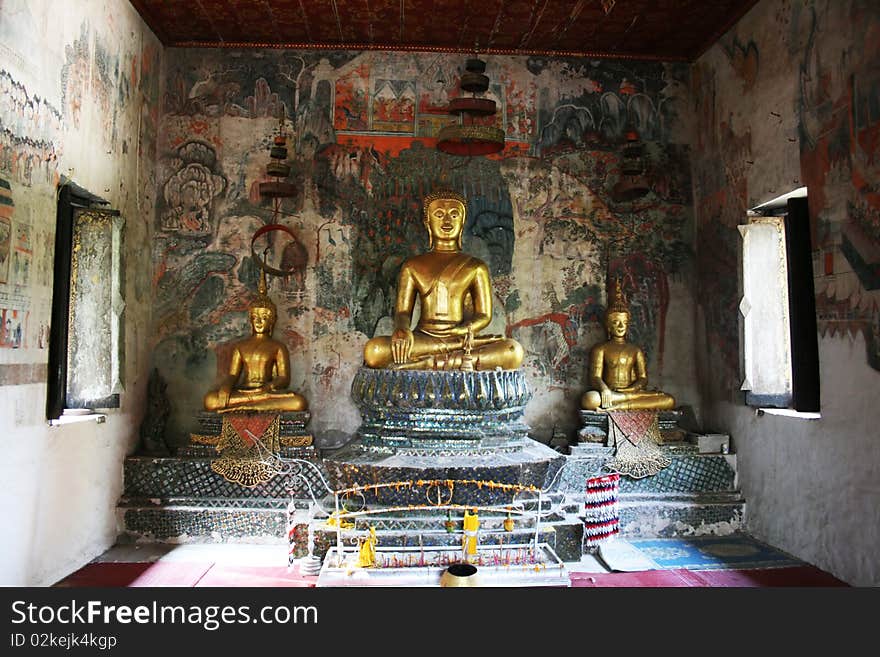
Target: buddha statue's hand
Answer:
pixel 607 397
pixel 401 345
pixel 223 393
pixel 636 386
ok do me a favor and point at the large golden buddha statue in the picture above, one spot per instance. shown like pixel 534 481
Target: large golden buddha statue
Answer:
pixel 618 372
pixel 259 368
pixel 446 336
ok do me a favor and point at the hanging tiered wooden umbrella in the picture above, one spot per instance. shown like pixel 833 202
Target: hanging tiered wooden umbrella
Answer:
pixel 469 138
pixel 278 169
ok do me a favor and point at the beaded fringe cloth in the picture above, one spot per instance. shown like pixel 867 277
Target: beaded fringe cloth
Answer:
pixel 242 459
pixel 601 509
pixel 635 437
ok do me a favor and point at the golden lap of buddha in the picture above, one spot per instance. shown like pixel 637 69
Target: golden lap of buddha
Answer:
pixel 446 336
pixel 259 368
pixel 617 368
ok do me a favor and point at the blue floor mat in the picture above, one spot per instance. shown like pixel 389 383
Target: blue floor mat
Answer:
pixel 735 552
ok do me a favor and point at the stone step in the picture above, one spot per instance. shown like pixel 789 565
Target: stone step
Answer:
pixel 671 515
pixel 479 477
pixel 235 520
pixel 644 516
pixel 180 523
pixel 181 499
pixel 716 497
pixel 192 477
pixel 548 504
pixel 200 524
pixel 208 502
pixel 689 472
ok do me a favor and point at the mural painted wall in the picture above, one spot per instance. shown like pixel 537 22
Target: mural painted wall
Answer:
pixel 79 100
pixel 790 97
pixel 819 121
pixel 548 214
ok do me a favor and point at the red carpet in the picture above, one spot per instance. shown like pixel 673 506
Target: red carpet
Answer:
pixel 225 575
pixel 765 577
pixel 137 574
pixel 645 578
pixel 232 575
pixel 796 576
pixel 186 574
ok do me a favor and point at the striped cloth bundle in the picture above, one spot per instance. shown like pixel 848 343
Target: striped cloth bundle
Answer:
pixel 601 510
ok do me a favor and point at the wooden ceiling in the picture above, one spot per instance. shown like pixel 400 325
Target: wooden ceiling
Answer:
pixel 667 30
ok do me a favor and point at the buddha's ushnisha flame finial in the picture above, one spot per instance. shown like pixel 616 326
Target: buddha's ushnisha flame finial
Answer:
pixel 262 300
pixel 617 302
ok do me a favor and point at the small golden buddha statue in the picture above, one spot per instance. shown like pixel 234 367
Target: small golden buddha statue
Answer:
pixel 469 539
pixel 446 336
pixel 367 552
pixel 618 372
pixel 259 368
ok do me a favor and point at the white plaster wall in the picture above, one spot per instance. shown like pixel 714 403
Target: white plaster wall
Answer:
pixel 678 377
pixel 812 487
pixel 60 485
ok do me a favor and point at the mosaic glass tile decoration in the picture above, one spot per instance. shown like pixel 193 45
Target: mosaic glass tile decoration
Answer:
pixel 686 474
pixel 213 525
pixel 192 477
pixel 738 552
pixel 689 472
pixel 357 465
pixel 418 408
pixel 660 518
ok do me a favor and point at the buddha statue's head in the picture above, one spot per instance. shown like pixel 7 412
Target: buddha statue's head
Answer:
pixel 262 318
pixel 445 213
pixel 617 315
pixel 262 311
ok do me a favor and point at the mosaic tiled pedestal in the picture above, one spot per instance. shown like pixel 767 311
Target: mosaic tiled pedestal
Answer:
pixel 181 499
pixel 696 494
pixel 440 410
pixel 524 463
pixel 292 433
pixel 403 439
pixel 461 427
pixel 421 424
pixel 594 427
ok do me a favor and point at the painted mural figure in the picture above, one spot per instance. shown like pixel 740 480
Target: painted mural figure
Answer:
pixel 617 369
pixel 259 368
pixel 443 279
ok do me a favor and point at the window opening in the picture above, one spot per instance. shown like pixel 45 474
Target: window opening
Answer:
pixel 780 344
pixel 86 340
